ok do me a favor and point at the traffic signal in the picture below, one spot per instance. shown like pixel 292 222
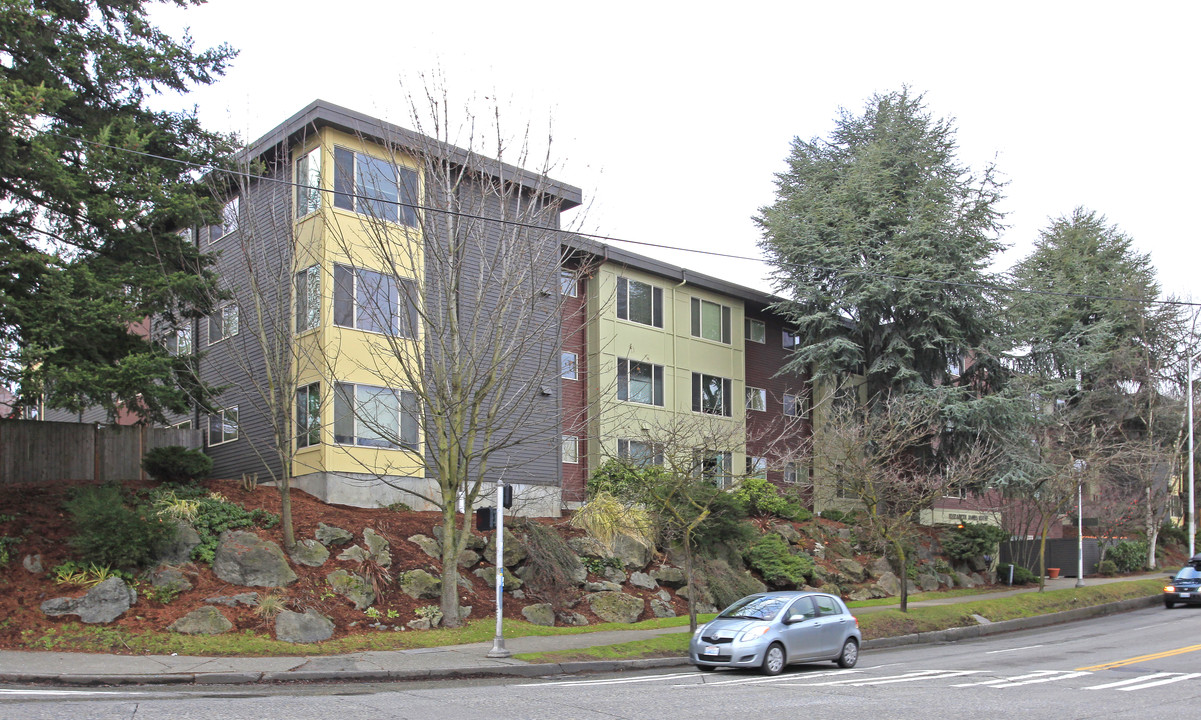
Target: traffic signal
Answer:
pixel 507 492
pixel 485 519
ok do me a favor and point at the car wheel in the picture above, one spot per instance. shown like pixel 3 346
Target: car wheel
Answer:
pixel 773 660
pixel 1169 604
pixel 706 668
pixel 849 655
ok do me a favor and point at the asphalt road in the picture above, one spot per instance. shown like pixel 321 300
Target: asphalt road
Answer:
pixel 1135 665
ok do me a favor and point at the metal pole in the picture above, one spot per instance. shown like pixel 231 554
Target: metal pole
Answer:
pixel 1192 523
pixel 1080 534
pixel 498 643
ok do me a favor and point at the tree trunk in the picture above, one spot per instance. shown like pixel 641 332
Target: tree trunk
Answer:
pixel 1042 554
pixel 899 551
pixel 449 603
pixel 1152 531
pixel 688 577
pixel 285 512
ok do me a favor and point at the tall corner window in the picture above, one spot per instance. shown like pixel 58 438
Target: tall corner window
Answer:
pixel 308 415
pixel 569 286
pixel 756 399
pixel 375 187
pixel 639 302
pixel 308 299
pixel 570 366
pixel 796 405
pixel 711 321
pixel 229 216
pixel 372 301
pixel 223 324
pixel 223 426
pixel 308 182
pixel 371 416
pixel 711 394
pixel 756 331
pixel 571 450
pixel 639 382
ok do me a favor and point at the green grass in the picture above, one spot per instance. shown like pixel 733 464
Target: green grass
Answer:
pixel 940 595
pixel 892 623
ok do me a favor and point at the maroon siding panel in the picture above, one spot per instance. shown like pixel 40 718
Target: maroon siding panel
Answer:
pixel 763 362
pixel 575 392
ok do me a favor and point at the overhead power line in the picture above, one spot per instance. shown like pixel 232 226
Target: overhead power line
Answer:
pixel 994 287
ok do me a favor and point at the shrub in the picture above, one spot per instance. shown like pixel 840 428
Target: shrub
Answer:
pixel 109 530
pixel 1128 555
pixel 763 498
pixel 623 480
pixel 211 515
pixel 726 524
pixel 1107 567
pixel 176 464
pixel 847 518
pixel 771 556
pixel 1021 576
pixel 1172 534
pixel 972 541
pixel 725 583
pixel 604 518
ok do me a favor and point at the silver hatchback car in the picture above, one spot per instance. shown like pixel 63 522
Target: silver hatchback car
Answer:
pixel 775 629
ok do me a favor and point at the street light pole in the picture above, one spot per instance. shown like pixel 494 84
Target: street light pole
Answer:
pixel 1080 533
pixel 1192 521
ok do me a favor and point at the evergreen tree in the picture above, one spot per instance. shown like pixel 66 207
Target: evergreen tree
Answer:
pixel 884 199
pixel 94 186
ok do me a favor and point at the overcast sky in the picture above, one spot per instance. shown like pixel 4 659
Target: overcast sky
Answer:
pixel 674 117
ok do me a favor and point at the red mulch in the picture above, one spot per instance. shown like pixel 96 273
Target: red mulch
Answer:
pixel 44 527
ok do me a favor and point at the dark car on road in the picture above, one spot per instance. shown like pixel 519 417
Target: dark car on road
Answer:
pixel 1184 587
pixel 771 630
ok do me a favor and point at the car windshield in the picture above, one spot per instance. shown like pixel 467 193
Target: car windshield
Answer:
pixel 1188 573
pixel 760 607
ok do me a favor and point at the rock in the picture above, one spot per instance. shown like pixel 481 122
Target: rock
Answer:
pixel 819 550
pixel 605 586
pixel 329 535
pixel 428 545
pixel 464 612
pixel 353 587
pixel 890 584
pixel 178 550
pixel 420 624
pixel 309 553
pixel 587 546
pixel 612 574
pixel 377 547
pixel 788 532
pixel 488 575
pixel 104 603
pixel 518 594
pixel 170 578
pixel 851 569
pixel 632 553
pixel 310 627
pixel 205 620
pixel 615 607
pixel 540 614
pixel 468 558
pixel 573 619
pixel 976 579
pixel 669 576
pixel 465 584
pixel 244 558
pixel 962 580
pixel 419 584
pixel 946 580
pixel 474 542
pixel 664 595
pixel 861 594
pixel 644 581
pixel 662 609
pixel 515 549
pixel 33 563
pixel 927 583
pixel 878 567
pixel 702 595
pixel 911 587
pixel 248 599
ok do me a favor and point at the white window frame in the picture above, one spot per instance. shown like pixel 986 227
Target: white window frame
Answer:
pixel 796 405
pixel 657 385
pixel 725 314
pixel 230 216
pixel 222 419
pixel 227 319
pixel 571 450
pixel 715 466
pixel 306 423
pixel 699 381
pixel 751 324
pixel 792 472
pixel 756 467
pixel 789 340
pixel 308 289
pixel 623 303
pixel 569 365
pixel 308 183
pixel 350 197
pixel 405 295
pixel 359 439
pixel 569 285
pixel 761 396
pixel 649 453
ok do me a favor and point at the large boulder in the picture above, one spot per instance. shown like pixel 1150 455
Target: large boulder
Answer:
pixel 245 599
pixel 615 607
pixel 588 547
pixel 170 578
pixel 963 580
pixel 878 567
pixel 329 535
pixel 540 614
pixel 309 552
pixel 927 582
pixel 419 584
pixel 644 581
pixel 33 563
pixel 206 620
pixel 428 545
pixel 178 550
pixel 488 575
pixel 353 587
pixel 375 548
pixel 669 576
pixel 104 603
pixel 853 571
pixel 633 554
pixel 662 609
pixel 788 532
pixel 890 584
pixel 244 558
pixel 310 627
pixel 515 549
pixel 474 542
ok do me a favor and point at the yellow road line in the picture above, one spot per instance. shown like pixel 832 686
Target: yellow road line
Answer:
pixel 1142 658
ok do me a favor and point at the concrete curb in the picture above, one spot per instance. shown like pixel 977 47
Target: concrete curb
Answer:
pixel 529 670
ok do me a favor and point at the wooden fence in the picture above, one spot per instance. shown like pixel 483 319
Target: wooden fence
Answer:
pixel 34 451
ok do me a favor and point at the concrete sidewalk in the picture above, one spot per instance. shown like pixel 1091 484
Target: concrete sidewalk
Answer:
pixel 453 661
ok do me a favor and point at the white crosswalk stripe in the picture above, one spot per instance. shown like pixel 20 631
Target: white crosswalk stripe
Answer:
pixel 1129 681
pixel 753 680
pixel 1157 683
pixel 1036 681
pixel 904 677
pixel 610 681
pixel 1002 681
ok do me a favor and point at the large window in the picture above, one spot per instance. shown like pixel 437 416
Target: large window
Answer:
pixel 308 299
pixel 223 426
pixel 223 324
pixel 374 187
pixel 756 467
pixel 794 473
pixel 639 382
pixel 639 452
pixel 308 415
pixel 371 301
pixel 374 416
pixel 308 182
pixel 756 399
pixel 710 321
pixel 180 341
pixel 711 394
pixel 796 405
pixel 570 366
pixel 756 331
pixel 715 467
pixel 639 302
